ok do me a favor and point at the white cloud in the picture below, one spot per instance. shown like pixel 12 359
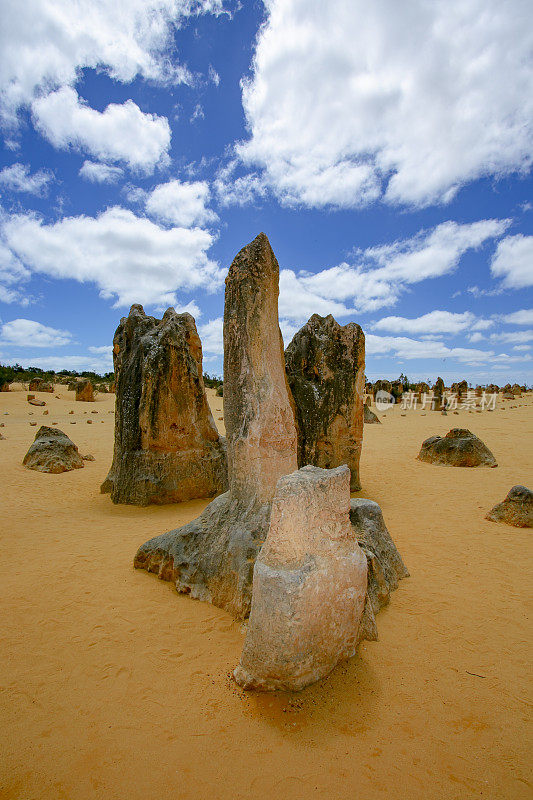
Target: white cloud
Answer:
pixel 105 349
pixel 12 274
pixel 522 317
pixel 99 365
pixel 17 178
pixel 119 133
pixel 213 75
pixel 380 274
pixel 211 335
pixel 407 348
pixel 240 191
pixel 28 333
pixel 181 203
pixel 435 321
pixel 513 336
pixel 513 261
pixel 350 101
pixel 522 347
pixel 44 45
pixel 129 258
pixel 100 173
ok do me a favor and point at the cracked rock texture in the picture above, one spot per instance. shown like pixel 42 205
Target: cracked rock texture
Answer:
pixel 326 372
pixel 459 448
pixel 167 447
pixel 516 509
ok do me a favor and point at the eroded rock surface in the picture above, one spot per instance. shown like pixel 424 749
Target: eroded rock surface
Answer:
pixel 309 585
pixel 52 451
pixel 385 564
pixel 459 448
pixel 326 372
pixel 167 447
pixel 85 391
pixel 370 417
pixel 516 509
pixel 213 556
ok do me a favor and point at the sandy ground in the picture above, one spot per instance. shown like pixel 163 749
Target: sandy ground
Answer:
pixel 113 686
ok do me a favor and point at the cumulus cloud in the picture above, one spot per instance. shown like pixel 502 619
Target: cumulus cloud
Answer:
pixel 513 262
pixel 29 333
pixel 44 45
pixel 513 336
pixel 211 335
pixel 129 258
pixel 100 173
pixel 378 275
pixel 12 274
pixel 434 321
pixel 17 178
pixel 79 363
pixel 351 101
pixel 122 132
pixel 407 348
pixel 522 317
pixel 181 203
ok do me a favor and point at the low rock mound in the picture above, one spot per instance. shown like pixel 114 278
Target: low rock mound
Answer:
pixel 516 509
pixel 385 564
pixel 459 448
pixel 309 585
pixel 52 451
pixel 369 417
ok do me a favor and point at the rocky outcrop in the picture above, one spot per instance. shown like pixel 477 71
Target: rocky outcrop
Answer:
pixel 85 391
pixel 34 402
pixel 516 509
pixel 325 365
pixel 459 448
pixel 385 564
pixel 167 447
pixel 52 451
pixel 39 385
pixel 309 585
pixel 439 402
pixel 213 557
pixel 369 417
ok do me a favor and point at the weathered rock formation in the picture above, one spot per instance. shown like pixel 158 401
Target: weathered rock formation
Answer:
pixel 516 509
pixel 309 585
pixel 213 556
pixel 167 447
pixel 52 451
pixel 439 403
pixel 39 385
pixel 85 391
pixel 34 402
pixel 385 564
pixel 325 365
pixel 460 389
pixel 369 417
pixel 459 448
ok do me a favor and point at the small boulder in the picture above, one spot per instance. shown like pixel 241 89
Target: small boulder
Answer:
pixel 369 417
pixel 89 457
pixel 459 448
pixel 52 451
pixel 516 509
pixel 33 402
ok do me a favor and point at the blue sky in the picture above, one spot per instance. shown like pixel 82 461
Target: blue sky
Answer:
pixel 385 151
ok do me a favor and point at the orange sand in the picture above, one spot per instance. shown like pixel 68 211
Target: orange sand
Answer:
pixel 113 686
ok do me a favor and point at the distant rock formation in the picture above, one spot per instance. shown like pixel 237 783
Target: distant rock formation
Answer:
pixel 85 391
pixel 309 585
pixel 39 385
pixel 369 417
pixel 516 509
pixel 213 557
pixel 439 403
pixel 167 447
pixel 325 365
pixel 385 564
pixel 459 448
pixel 52 451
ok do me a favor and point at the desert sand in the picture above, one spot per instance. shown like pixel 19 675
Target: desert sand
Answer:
pixel 114 686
